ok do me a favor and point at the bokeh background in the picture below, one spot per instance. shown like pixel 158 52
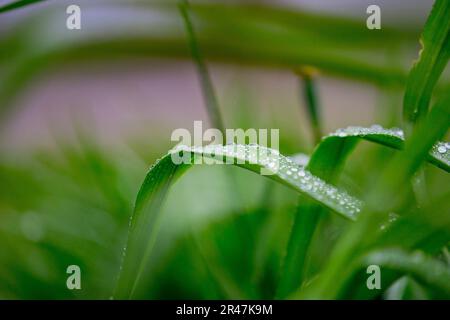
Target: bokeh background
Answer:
pixel 84 113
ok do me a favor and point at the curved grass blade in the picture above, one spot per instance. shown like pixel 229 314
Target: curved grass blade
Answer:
pixel 433 58
pixel 288 47
pixel 426 228
pixel 17 5
pixel 337 146
pixel 144 222
pixel 385 196
pixel 207 87
pixel 422 267
pixel 308 215
pixel 439 155
pixel 309 92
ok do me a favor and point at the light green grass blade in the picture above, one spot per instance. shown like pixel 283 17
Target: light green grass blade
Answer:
pixel 144 223
pixel 426 269
pixel 433 58
pixel 17 4
pixel 439 155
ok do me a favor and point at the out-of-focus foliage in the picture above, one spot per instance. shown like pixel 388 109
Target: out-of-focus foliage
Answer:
pixel 72 205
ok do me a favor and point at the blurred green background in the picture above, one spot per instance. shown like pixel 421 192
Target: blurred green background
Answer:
pixel 84 113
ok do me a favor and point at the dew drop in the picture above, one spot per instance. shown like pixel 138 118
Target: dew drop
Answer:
pixel 442 149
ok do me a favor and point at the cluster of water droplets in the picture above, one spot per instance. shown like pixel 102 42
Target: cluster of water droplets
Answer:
pixel 392 217
pixel 287 170
pixel 355 131
pixel 441 150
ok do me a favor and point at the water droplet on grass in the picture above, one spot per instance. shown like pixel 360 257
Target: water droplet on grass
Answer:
pixel 442 149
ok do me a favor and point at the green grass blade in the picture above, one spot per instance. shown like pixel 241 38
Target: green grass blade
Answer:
pixel 309 92
pixel 305 222
pixel 309 213
pixel 207 88
pixel 382 199
pixel 417 149
pixel 144 223
pixel 245 41
pixel 419 229
pixel 426 269
pixel 439 155
pixel 17 5
pixel 433 58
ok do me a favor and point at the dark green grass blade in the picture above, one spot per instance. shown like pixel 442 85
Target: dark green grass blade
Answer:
pixel 433 58
pixel 251 39
pixel 17 5
pixel 144 223
pixel 207 88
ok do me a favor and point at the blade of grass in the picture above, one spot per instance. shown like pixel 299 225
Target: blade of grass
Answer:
pixel 308 215
pixel 439 155
pixel 311 102
pixel 433 58
pixel 435 41
pixel 382 199
pixel 246 44
pixel 425 229
pixel 212 108
pixel 336 146
pixel 426 269
pixel 17 5
pixel 205 79
pixel 144 222
pixel 209 255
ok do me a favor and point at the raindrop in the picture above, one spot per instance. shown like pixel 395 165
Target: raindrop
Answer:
pixel 442 149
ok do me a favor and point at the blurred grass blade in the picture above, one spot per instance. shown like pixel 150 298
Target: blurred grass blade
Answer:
pixel 427 228
pixel 418 148
pixel 17 4
pixel 294 263
pixel 205 79
pixel 260 35
pixel 144 223
pixel 386 195
pixel 308 214
pixel 426 269
pixel 433 58
pixel 309 89
pixel 439 155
